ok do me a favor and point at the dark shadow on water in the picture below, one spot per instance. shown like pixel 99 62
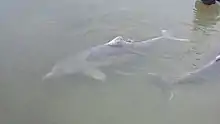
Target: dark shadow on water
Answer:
pixel 205 17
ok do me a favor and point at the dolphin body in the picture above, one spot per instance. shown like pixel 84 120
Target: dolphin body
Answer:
pixel 116 51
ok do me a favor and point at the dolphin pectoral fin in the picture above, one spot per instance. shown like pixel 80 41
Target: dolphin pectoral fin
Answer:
pixel 172 94
pixel 95 74
pixel 47 76
pixel 162 84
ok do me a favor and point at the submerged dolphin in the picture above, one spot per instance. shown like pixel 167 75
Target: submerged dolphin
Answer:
pixel 90 61
pixel 206 74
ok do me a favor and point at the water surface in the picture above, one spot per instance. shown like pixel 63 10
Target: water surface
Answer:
pixel 34 35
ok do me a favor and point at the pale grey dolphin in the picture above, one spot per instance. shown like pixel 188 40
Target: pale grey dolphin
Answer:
pixel 116 51
pixel 206 74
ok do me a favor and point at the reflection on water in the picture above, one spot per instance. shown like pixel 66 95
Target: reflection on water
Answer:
pixel 206 17
pixel 35 34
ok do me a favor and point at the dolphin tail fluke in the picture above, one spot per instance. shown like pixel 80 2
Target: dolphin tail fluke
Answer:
pixel 164 85
pixel 167 35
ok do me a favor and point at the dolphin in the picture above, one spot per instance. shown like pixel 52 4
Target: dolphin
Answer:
pixel 116 51
pixel 207 73
pixel 210 72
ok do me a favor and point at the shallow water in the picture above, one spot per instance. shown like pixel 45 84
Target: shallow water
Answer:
pixel 34 35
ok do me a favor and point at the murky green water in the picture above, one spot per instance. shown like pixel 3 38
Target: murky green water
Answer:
pixel 36 34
